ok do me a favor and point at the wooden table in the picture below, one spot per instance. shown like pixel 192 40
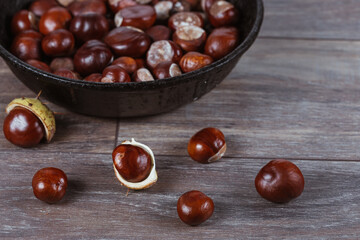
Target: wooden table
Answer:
pixel 294 95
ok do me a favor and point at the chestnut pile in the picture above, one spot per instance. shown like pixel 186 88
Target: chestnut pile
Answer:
pixel 124 40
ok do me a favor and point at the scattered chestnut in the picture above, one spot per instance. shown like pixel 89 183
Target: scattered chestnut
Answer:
pixel 143 75
pixel 207 145
pixel 206 4
pixel 162 51
pixel 55 18
pixel 159 32
pixel 181 6
pixel 89 26
pixel 194 207
pixel 117 5
pixel 223 13
pixel 127 63
pixel 28 122
pixel 66 3
pixel 89 6
pixel 190 38
pixel 39 64
pixel 279 181
pixel 67 74
pixel 138 16
pixel 40 7
pixel 221 42
pixel 163 9
pixel 134 165
pixel 95 77
pixel 58 43
pixel 49 184
pixel 192 61
pixel 27 45
pixel 92 57
pixel 166 70
pixel 115 74
pixel 62 63
pixel 126 41
pixel 185 19
pixel 23 20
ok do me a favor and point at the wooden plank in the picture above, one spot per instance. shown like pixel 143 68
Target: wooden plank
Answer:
pixel 312 19
pixel 75 133
pixel 286 98
pixel 96 207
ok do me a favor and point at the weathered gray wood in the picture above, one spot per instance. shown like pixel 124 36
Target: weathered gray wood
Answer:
pixel 96 207
pixel 313 19
pixel 292 99
pixel 75 133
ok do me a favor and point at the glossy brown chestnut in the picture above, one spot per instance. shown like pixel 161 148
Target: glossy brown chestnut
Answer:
pixel 66 3
pixel 127 63
pixel 207 145
pixel 190 38
pixel 92 57
pixel 142 75
pixel 206 4
pixel 194 207
pixel 23 128
pixel 67 74
pixel 27 45
pixel 185 19
pixel 159 32
pixel 23 20
pixel 115 74
pixel 89 6
pixel 192 61
pixel 49 184
pixel 181 6
pixel 163 9
pixel 223 13
pixel 39 64
pixel 139 16
pixel 279 181
pixel 58 43
pixel 55 18
pixel 125 41
pixel 163 51
pixel 132 162
pixel 89 26
pixel 117 5
pixel 140 63
pixel 166 70
pixel 221 42
pixel 40 7
pixel 62 63
pixel 95 77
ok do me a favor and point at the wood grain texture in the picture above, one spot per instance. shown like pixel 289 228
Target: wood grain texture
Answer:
pixel 312 19
pixel 95 206
pixel 75 133
pixel 290 99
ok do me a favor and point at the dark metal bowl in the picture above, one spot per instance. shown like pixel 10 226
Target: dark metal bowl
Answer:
pixel 128 99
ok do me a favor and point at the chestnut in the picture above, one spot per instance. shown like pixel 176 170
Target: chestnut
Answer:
pixel 67 74
pixel 185 19
pixel 89 26
pixel 55 18
pixel 221 42
pixel 279 181
pixel 39 64
pixel 162 51
pixel 126 41
pixel 117 5
pixel 23 20
pixel 127 63
pixel 206 4
pixel 143 75
pixel 223 13
pixel 190 38
pixel 49 184
pixel 58 43
pixel 207 145
pixel 140 63
pixel 95 77
pixel 66 3
pixel 134 165
pixel 92 57
pixel 166 70
pixel 192 61
pixel 40 7
pixel 194 207
pixel 28 122
pixel 62 63
pixel 159 32
pixel 181 6
pixel 139 16
pixel 27 45
pixel 115 74
pixel 163 9
pixel 89 6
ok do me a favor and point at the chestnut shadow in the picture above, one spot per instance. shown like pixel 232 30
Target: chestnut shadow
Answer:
pixel 75 189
